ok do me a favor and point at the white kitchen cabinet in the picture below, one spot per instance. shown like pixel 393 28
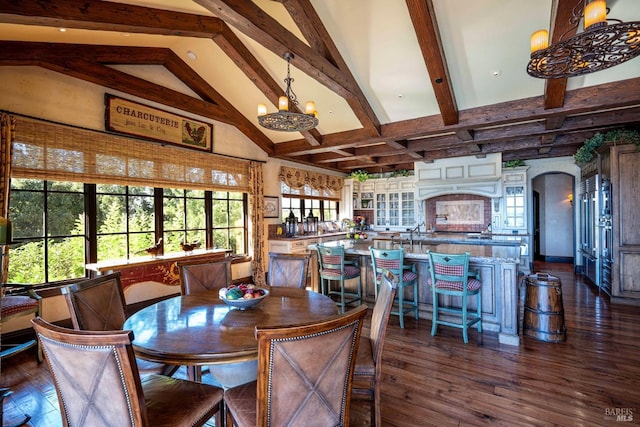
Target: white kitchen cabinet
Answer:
pixel 514 212
pixel 395 203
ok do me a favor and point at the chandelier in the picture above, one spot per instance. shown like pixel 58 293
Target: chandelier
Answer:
pixel 598 47
pixel 285 120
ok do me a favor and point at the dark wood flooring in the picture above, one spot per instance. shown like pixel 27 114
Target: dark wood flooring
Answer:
pixel 588 380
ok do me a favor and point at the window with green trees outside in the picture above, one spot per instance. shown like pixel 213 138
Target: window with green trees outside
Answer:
pixel 58 227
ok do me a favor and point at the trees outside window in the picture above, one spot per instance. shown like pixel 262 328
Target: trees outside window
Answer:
pixel 184 218
pixel 229 220
pixel 48 222
pixel 58 227
pixel 125 221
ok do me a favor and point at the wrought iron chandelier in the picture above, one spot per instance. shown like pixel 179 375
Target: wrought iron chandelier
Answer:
pixel 598 47
pixel 285 120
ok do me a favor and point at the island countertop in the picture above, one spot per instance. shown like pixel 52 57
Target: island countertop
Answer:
pixel 479 250
pixel 496 261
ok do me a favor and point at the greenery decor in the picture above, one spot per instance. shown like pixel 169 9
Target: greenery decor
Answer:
pixel 360 175
pixel 402 172
pixel 586 153
pixel 513 163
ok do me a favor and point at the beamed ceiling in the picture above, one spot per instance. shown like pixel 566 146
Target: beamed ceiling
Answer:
pixel 394 81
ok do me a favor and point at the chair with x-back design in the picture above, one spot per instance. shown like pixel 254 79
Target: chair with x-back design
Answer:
pixel 288 270
pixel 98 384
pixel 199 276
pixel 305 375
pixel 98 304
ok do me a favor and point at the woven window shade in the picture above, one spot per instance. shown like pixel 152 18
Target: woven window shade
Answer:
pixel 49 151
pixel 297 179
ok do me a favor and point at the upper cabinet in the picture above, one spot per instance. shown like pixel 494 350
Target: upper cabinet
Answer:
pixel 395 203
pixel 514 182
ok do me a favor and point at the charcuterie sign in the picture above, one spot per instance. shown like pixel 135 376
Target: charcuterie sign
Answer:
pixel 131 118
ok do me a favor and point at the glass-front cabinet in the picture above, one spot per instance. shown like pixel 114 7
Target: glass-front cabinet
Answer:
pixel 391 199
pixel 514 203
pixel 515 198
pixel 395 205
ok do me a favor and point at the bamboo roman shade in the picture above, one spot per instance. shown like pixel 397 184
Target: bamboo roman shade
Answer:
pixel 43 150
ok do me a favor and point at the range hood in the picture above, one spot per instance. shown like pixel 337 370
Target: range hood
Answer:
pixel 460 175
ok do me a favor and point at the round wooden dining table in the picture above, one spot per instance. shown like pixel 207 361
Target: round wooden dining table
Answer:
pixel 200 329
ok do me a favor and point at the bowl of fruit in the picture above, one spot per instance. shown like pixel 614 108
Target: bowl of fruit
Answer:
pixel 243 296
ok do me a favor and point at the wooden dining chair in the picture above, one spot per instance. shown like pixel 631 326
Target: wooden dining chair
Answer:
pixel 198 276
pixel 333 267
pixel 450 276
pixel 393 260
pixel 98 384
pixel 305 375
pixel 288 270
pixel 367 374
pixel 98 304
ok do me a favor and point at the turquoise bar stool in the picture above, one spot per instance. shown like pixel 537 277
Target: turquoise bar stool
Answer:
pixel 393 260
pixel 333 267
pixel 450 276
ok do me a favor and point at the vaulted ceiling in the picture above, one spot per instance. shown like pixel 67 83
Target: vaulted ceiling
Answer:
pixel 394 81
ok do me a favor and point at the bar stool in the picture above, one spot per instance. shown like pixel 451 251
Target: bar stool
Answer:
pixel 393 260
pixel 450 276
pixel 333 267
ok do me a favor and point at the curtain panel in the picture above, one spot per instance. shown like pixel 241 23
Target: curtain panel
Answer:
pixel 296 179
pixel 257 228
pixel 7 133
pixel 43 150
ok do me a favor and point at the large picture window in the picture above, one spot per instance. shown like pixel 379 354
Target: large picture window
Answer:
pixel 60 226
pixel 48 220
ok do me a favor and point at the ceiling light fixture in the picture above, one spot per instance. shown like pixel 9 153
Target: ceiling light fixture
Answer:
pixel 285 120
pixel 598 47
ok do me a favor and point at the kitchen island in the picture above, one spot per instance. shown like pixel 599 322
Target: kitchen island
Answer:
pixel 497 261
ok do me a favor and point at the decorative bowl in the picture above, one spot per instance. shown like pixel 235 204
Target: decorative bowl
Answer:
pixel 243 303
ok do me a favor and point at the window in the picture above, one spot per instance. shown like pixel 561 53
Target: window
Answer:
pixel 60 226
pixel 229 221
pixel 301 201
pixel 48 221
pixel 183 218
pixel 125 219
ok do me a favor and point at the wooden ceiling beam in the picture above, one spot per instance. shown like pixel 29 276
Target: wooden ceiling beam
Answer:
pixel 561 14
pixel 425 25
pixel 251 67
pixel 310 25
pixel 465 134
pixel 312 28
pixel 620 94
pixel 108 16
pixel 81 62
pixel 249 19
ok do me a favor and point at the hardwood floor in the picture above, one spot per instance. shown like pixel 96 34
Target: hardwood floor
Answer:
pixel 427 380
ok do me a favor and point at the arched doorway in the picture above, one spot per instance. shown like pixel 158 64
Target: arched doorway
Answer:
pixel 553 217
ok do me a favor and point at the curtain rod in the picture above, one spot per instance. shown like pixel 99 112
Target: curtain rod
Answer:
pixel 116 134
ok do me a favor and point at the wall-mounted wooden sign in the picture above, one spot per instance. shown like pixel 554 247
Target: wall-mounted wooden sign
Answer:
pixel 131 118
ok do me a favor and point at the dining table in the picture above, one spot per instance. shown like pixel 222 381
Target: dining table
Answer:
pixel 202 330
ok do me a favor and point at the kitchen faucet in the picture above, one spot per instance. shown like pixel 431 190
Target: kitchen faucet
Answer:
pixel 413 230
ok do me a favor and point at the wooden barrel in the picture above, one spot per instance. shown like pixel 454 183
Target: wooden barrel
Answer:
pixel 543 309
